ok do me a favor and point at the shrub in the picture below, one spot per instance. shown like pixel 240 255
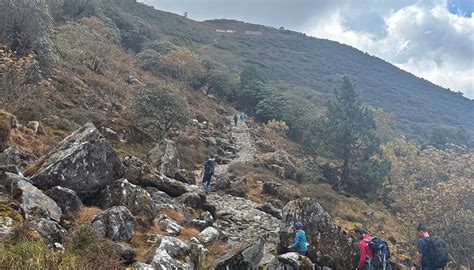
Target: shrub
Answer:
pixel 158 109
pixel 182 64
pixel 279 127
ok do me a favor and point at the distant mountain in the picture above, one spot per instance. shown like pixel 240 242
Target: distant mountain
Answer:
pixel 419 106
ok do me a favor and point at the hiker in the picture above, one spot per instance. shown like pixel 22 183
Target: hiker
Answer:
pixel 242 116
pixel 207 172
pixel 235 119
pixel 300 244
pixel 432 253
pixel 366 253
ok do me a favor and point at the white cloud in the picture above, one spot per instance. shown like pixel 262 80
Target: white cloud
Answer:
pixel 422 38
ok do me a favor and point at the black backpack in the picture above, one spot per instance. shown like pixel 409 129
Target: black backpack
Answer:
pixel 381 253
pixel 437 252
pixel 209 166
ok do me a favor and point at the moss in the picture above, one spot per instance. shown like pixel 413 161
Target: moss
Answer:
pixel 6 210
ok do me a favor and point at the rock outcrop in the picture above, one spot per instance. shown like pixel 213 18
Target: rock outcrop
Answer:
pixel 168 253
pixel 340 249
pixel 66 199
pixel 15 160
pixel 246 255
pixel 135 198
pixel 33 201
pixel 290 261
pixel 82 162
pixel 116 223
pixel 165 158
pixel 208 236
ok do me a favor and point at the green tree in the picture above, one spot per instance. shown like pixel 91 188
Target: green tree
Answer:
pixel 253 88
pixel 159 108
pixel 222 84
pixel 350 137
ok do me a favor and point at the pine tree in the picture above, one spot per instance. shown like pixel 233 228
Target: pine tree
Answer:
pixel 350 137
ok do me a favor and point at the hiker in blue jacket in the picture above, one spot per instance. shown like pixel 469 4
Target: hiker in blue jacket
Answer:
pixel 299 243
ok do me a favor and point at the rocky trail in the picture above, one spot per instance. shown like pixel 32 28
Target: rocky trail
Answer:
pixel 238 217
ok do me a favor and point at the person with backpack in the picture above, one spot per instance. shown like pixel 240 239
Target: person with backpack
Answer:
pixel 235 119
pixel 207 172
pixel 366 253
pixel 432 253
pixel 374 252
pixel 300 243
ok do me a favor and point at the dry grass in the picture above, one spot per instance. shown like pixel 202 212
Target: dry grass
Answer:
pixel 173 214
pixel 187 234
pixel 86 214
pixel 141 246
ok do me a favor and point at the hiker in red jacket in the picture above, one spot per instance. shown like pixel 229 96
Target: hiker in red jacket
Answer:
pixel 365 251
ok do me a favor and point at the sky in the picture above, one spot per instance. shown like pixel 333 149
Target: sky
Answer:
pixel 433 39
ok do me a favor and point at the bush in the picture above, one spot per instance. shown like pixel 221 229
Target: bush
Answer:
pixel 182 64
pixel 158 109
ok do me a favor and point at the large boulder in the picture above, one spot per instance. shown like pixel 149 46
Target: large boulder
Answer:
pixel 165 158
pixel 168 185
pixel 33 201
pixel 269 209
pixel 192 199
pixel 66 199
pixel 135 198
pixel 116 223
pixel 340 249
pixel 246 255
pixel 82 162
pixel 290 261
pixel 168 252
pixel 169 226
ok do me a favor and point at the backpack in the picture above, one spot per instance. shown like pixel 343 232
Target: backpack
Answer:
pixel 437 252
pixel 381 253
pixel 209 166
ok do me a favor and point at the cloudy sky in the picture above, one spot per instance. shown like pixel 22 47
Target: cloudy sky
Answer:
pixel 433 39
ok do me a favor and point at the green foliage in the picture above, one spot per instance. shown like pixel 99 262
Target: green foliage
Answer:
pixel 159 108
pixel 222 84
pixel 350 137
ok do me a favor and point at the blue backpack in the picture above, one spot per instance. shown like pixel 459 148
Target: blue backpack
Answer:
pixel 381 253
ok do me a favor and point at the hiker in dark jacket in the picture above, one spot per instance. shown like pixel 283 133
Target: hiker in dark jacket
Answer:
pixel 235 119
pixel 366 253
pixel 422 261
pixel 300 244
pixel 207 172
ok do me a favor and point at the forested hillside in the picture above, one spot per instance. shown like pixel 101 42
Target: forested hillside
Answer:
pixel 422 110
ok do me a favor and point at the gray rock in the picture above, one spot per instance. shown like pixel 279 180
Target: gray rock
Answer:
pixel 204 221
pixel 193 200
pixel 243 256
pixel 110 134
pixel 198 252
pixel 186 176
pixel 14 160
pixel 142 266
pixel 135 169
pixel 135 198
pixel 82 162
pixel 269 209
pixel 282 159
pixel 116 223
pixel 208 236
pixel 170 186
pixel 169 226
pixel 127 253
pixel 34 202
pixel 66 199
pixel 340 250
pixel 48 229
pixel 290 261
pixel 165 158
pixel 167 252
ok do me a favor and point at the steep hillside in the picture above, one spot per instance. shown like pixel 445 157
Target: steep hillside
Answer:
pixel 418 105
